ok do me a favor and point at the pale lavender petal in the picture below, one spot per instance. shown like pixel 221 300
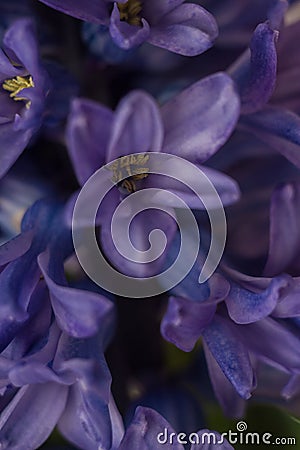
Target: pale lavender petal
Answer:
pixel 137 126
pixel 31 415
pixel 226 188
pixel 289 305
pixel 21 39
pixel 148 431
pixel 185 320
pixel 13 143
pixel 278 128
pixel 200 119
pixel 232 404
pixel 255 72
pixel 86 421
pixel 141 226
pixel 224 341
pixel 187 30
pixel 16 247
pixel 79 313
pixel 88 131
pixel 125 35
pixel 246 306
pixel 274 342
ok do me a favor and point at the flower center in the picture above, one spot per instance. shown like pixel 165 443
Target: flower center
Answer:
pixel 130 12
pixel 16 85
pixel 129 169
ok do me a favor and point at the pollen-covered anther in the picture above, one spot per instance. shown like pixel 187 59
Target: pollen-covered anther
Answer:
pixel 129 169
pixel 130 12
pixel 16 85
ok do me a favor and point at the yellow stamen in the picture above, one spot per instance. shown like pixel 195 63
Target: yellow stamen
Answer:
pixel 130 12
pixel 16 85
pixel 129 167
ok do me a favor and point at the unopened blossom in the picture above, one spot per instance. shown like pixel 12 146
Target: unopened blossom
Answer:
pixel 178 26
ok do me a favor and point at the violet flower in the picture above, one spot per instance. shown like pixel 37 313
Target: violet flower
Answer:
pixel 24 88
pixel 192 125
pixel 49 378
pixel 40 251
pixel 264 108
pixel 240 316
pixel 180 27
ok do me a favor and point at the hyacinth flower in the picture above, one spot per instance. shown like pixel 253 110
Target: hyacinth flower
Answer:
pixel 180 27
pixel 191 125
pixel 24 88
pixel 39 251
pixel 149 430
pixel 240 317
pixel 264 104
pixel 49 378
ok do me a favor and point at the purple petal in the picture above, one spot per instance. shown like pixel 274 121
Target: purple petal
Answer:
pixel 148 431
pixel 289 305
pixel 274 342
pixel 137 126
pixel 278 128
pixel 156 9
pixel 139 231
pixel 21 39
pixel 32 373
pixel 79 313
pixel 200 119
pixel 233 405
pixel 17 286
pixel 91 10
pixel 224 341
pixel 185 320
pixel 31 415
pixel 246 306
pixel 226 188
pixel 86 421
pixel 7 69
pixel 16 247
pixel 88 131
pixel 188 30
pixel 255 72
pixel 284 229
pixel 125 35
pixel 13 142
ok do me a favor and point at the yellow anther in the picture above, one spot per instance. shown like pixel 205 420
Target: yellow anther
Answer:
pixel 16 85
pixel 128 168
pixel 130 12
